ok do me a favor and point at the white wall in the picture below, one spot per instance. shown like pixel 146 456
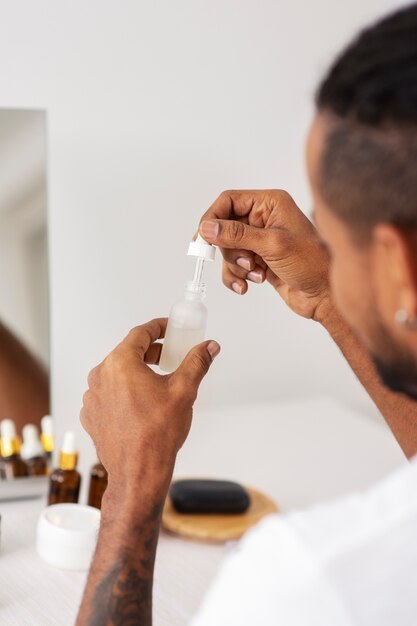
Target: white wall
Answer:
pixel 153 109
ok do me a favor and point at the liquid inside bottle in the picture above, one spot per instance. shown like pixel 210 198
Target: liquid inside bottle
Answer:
pixel 186 326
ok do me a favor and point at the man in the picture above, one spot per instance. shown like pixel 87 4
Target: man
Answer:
pixel 353 561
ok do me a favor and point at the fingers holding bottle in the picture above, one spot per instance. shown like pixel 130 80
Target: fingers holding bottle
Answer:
pixel 147 414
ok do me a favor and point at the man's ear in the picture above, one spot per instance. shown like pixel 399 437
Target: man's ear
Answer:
pixel 394 266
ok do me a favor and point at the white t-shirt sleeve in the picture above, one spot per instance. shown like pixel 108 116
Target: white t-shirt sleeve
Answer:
pixel 270 578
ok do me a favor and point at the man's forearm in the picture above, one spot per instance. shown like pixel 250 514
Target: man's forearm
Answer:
pixel 399 412
pixel 119 586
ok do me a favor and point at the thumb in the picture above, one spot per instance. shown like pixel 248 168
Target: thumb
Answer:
pixel 196 364
pixel 234 234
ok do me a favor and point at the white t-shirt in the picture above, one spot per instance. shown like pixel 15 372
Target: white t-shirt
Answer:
pixel 350 562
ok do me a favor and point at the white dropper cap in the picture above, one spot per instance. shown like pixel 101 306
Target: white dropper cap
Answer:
pixel 8 429
pixel 31 446
pixel 202 249
pixel 47 425
pixel 68 447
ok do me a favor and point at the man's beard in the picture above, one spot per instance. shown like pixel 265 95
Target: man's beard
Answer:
pixel 397 369
pixel 392 376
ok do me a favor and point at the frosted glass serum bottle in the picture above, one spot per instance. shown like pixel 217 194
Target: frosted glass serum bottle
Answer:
pixel 188 317
pixel 186 326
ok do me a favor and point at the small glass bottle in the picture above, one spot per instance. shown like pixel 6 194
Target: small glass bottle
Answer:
pixel 188 317
pixel 186 326
pixel 47 437
pixel 32 451
pixel 98 484
pixel 65 481
pixel 11 465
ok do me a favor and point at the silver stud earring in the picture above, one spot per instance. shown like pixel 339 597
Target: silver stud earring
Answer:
pixel 401 317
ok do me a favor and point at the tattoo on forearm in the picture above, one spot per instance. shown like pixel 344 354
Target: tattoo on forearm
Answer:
pixel 124 596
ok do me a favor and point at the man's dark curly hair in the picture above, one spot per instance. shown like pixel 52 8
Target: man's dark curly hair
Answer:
pixel 368 171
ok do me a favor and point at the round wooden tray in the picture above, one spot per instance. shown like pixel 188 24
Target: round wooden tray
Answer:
pixel 214 527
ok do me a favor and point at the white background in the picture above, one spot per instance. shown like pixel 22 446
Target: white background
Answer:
pixel 153 109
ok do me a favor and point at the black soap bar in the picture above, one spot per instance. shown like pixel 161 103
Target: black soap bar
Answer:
pixel 209 496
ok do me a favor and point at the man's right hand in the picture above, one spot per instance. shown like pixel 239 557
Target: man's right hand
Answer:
pixel 264 235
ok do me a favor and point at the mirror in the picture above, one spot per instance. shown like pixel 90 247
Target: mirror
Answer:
pixel 24 305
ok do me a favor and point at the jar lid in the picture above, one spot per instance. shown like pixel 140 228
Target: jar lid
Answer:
pixel 67 535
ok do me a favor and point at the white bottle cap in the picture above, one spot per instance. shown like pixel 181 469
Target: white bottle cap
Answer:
pixel 68 447
pixel 31 446
pixel 202 249
pixel 47 425
pixel 8 429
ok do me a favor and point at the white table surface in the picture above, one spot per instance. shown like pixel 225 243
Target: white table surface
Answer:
pixel 298 453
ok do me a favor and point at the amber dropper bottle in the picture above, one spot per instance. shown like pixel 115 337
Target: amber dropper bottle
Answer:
pixel 65 481
pixel 98 484
pixel 32 451
pixel 47 437
pixel 11 465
